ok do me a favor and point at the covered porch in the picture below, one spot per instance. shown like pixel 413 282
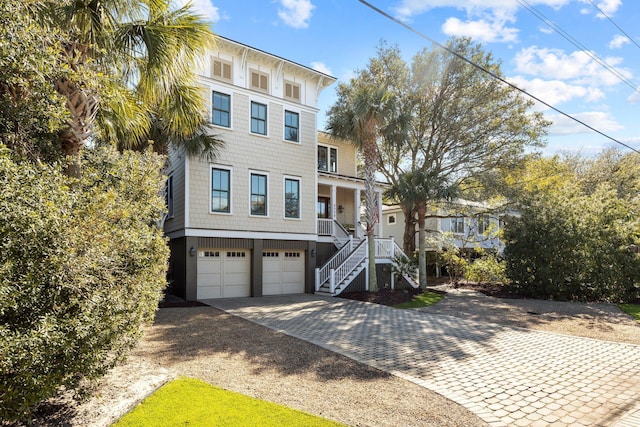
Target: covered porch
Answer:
pixel 340 198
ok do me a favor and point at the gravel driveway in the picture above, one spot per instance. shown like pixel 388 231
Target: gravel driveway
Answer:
pixel 229 352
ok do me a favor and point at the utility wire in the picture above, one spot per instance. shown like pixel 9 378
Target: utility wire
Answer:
pixel 492 74
pixel 616 25
pixel 555 27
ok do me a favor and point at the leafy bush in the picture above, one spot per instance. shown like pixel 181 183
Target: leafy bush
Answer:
pixel 486 269
pixel 574 246
pixel 82 267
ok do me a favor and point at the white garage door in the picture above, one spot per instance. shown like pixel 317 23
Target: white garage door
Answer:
pixel 224 273
pixel 282 272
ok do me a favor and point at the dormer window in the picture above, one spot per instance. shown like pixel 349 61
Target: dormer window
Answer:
pixel 259 81
pixel 327 159
pixel 220 69
pixel 292 91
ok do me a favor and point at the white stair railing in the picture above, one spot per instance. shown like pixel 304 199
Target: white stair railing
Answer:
pixel 353 261
pixel 322 273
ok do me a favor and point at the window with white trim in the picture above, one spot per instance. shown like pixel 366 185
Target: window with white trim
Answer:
pixel 291 126
pixel 457 225
pixel 220 69
pixel 259 81
pixel 483 224
pixel 391 219
pixel 327 159
pixel 258 118
pixel 258 194
pixel 220 190
pixel 291 198
pixel 221 109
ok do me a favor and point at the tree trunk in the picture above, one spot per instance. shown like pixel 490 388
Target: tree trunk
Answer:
pixel 422 249
pixel 409 237
pixel 82 108
pixel 370 206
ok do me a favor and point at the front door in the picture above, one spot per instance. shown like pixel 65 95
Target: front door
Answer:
pixel 323 207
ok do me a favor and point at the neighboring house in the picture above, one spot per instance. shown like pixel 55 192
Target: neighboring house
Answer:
pixel 264 216
pixel 467 225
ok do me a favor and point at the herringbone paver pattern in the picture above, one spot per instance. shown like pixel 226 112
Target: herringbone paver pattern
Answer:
pixel 507 376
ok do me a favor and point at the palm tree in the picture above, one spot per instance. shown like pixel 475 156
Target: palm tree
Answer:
pixel 129 67
pixel 359 115
pixel 414 191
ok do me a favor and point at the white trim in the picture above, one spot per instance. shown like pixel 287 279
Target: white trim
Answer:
pixel 329 148
pixel 230 95
pixel 252 94
pixel 187 190
pixel 232 234
pixel 267 195
pixel 284 197
pixel 389 216
pixel 267 118
pixel 286 110
pixel 222 167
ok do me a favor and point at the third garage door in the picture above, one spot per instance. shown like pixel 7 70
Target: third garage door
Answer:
pixel 282 272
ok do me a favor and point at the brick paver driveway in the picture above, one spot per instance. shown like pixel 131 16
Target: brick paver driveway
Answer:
pixel 507 376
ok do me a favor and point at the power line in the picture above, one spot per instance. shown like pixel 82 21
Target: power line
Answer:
pixel 492 74
pixel 616 25
pixel 555 27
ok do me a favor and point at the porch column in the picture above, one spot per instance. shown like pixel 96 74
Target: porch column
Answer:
pixel 356 213
pixel 333 202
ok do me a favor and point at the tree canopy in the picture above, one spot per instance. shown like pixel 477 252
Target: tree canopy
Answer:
pixel 451 119
pixel 578 228
pixel 125 72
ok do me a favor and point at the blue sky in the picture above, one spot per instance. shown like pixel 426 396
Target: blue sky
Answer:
pixel 339 36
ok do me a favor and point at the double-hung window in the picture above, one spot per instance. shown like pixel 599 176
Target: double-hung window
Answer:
pixel 258 118
pixel 457 225
pixel 220 190
pixel 483 224
pixel 291 198
pixel 291 126
pixel 327 159
pixel 258 194
pixel 221 111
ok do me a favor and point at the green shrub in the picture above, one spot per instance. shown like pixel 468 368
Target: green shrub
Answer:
pixel 486 269
pixel 82 267
pixel 572 246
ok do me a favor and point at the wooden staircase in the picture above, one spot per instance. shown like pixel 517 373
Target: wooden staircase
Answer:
pixel 351 259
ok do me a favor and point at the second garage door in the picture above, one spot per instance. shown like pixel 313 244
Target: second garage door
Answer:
pixel 282 272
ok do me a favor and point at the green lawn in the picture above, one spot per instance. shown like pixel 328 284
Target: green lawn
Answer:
pixel 632 310
pixel 423 300
pixel 192 402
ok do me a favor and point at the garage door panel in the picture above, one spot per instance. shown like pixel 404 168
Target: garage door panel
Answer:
pixel 282 272
pixel 223 273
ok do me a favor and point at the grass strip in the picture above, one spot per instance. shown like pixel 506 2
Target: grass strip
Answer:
pixel 425 299
pixel 187 401
pixel 632 310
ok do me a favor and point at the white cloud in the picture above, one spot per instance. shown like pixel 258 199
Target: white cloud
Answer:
pixel 320 66
pixel 481 30
pixel 618 41
pixel 577 66
pixel 599 120
pixel 204 8
pixel 555 92
pixel 486 19
pixel 609 7
pixel 296 13
pixel 634 98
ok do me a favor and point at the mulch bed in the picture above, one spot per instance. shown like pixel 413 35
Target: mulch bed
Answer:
pixel 386 296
